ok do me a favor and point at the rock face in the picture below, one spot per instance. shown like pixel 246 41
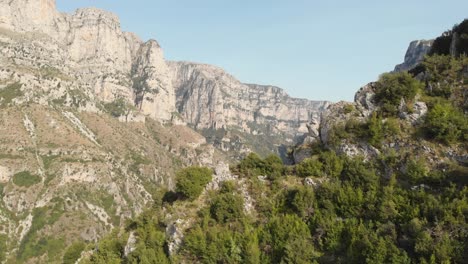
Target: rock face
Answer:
pixel 415 54
pixel 210 98
pixel 152 84
pixel 90 45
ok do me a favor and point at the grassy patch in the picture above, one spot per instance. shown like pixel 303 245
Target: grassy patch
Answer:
pixel 34 245
pixel 25 179
pixel 3 247
pixel 47 160
pixel 10 156
pixel 10 92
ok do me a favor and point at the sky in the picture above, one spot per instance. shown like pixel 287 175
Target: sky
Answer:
pixel 314 49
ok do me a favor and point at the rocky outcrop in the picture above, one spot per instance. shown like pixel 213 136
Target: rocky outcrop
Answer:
pixel 210 98
pixel 415 54
pixel 154 93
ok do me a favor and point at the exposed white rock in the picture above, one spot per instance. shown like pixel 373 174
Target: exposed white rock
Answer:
pixel 415 54
pixel 5 174
pixel 156 96
pixel 131 244
pixel 208 97
pixel 100 213
pixel 24 226
pixel 365 99
pixel 419 110
pixel 80 126
pixel 72 172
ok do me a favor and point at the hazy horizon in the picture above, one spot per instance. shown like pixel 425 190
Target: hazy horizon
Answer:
pixel 312 50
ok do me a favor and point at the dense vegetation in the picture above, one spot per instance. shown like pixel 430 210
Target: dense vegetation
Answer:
pixel 443 44
pixel 354 216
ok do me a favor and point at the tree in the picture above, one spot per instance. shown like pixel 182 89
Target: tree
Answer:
pixel 73 253
pixel 446 124
pixel 392 87
pixel 285 230
pixel 192 180
pixel 332 163
pixel 227 207
pixel 309 167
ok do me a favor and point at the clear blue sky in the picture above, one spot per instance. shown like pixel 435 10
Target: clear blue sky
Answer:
pixel 313 49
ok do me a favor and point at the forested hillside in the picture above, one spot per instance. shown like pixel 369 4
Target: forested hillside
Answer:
pixel 400 196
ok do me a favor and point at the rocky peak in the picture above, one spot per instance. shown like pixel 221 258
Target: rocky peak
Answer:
pixel 414 54
pixel 93 16
pixel 27 15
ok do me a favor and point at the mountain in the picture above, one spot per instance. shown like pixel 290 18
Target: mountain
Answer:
pixel 383 179
pixel 95 124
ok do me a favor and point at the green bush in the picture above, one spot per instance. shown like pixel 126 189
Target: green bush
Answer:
pixel 287 236
pixel 252 165
pixel 117 108
pixel 227 207
pixel 446 124
pixel 416 170
pixel 309 167
pixel 3 247
pixel 332 163
pixel 392 87
pixel 26 179
pixel 10 92
pixel 73 253
pixel 192 180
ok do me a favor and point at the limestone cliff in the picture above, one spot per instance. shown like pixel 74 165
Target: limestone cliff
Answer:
pixel 414 54
pixel 210 98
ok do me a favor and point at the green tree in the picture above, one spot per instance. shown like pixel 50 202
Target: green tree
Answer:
pixel 309 167
pixel 192 180
pixel 227 207
pixel 73 252
pixel 392 87
pixel 332 163
pixel 446 124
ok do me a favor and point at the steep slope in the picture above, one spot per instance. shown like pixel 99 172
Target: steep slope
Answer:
pixel 90 133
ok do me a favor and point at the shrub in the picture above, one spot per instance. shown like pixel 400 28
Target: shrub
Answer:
pixel 446 124
pixel 332 163
pixel 25 179
pixel 3 247
pixel 375 130
pixel 192 180
pixel 253 165
pixel 309 167
pixel 227 207
pixel 10 92
pixel 274 167
pixel 416 170
pixel 280 234
pixel 117 107
pixel 392 87
pixel 73 252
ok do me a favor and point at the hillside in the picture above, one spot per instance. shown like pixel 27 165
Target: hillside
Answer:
pixel 95 123
pixel 109 153
pixel 383 180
